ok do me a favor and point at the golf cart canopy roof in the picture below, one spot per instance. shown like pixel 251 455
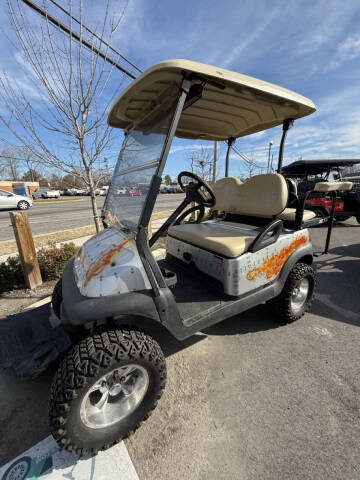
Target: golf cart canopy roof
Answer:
pixel 302 167
pixel 231 105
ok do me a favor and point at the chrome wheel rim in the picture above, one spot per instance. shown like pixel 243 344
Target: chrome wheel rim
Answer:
pixel 300 294
pixel 19 471
pixel 23 205
pixel 114 396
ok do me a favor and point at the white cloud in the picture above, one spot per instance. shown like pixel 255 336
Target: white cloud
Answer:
pixel 250 38
pixel 348 50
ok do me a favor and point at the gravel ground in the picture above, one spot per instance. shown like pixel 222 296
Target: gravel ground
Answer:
pixel 16 300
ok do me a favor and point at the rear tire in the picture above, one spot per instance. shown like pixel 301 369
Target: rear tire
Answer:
pixel 296 296
pixel 96 368
pixel 56 298
pixel 23 205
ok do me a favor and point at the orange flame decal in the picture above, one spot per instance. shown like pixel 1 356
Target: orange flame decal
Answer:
pixel 272 266
pixel 104 261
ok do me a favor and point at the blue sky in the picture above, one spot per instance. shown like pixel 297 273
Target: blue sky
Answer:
pixel 310 47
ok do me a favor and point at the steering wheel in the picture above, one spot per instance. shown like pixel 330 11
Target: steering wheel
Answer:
pixel 196 190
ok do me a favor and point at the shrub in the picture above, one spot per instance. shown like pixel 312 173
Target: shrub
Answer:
pixel 52 261
pixel 11 274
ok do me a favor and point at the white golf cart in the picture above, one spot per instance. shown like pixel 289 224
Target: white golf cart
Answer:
pixel 114 293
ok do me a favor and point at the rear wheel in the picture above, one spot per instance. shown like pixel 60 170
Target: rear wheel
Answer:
pixel 105 387
pixel 23 205
pixel 296 296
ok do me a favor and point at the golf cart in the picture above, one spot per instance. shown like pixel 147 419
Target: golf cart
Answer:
pixel 309 172
pixel 114 294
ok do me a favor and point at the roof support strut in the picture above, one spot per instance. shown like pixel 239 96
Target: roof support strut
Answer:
pixel 287 124
pixel 230 143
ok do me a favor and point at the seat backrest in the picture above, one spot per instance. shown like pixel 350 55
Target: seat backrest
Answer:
pixel 261 195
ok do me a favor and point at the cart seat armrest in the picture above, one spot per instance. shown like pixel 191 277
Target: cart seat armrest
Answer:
pixel 268 236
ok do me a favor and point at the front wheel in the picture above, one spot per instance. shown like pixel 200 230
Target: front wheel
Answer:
pixel 56 298
pixel 105 387
pixel 296 296
pixel 23 205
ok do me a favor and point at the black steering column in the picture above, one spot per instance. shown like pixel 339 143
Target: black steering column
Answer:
pixel 196 190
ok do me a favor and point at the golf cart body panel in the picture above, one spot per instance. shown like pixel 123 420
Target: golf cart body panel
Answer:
pixel 247 272
pixel 230 105
pixel 181 319
pixel 109 264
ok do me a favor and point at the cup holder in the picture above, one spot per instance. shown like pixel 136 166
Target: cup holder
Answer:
pixel 169 277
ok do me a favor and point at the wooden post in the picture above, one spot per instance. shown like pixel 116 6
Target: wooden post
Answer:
pixel 26 247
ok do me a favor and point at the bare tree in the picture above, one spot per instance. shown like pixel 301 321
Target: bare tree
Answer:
pixel 10 163
pixel 201 163
pixel 251 165
pixel 73 95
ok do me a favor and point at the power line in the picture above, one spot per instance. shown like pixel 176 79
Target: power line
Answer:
pixel 240 154
pixel 87 44
pixel 245 157
pixel 95 35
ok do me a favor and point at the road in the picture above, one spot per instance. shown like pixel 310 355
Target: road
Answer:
pixel 246 399
pixel 61 215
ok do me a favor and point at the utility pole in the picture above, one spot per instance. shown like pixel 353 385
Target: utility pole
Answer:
pixel 271 143
pixel 215 161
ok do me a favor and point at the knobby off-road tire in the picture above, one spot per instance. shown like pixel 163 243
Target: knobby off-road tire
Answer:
pixel 283 306
pixel 56 298
pixel 86 364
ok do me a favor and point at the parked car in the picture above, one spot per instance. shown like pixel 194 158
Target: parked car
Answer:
pixel 10 200
pixel 70 192
pixel 134 192
pixel 51 194
pixel 38 193
pixel 103 191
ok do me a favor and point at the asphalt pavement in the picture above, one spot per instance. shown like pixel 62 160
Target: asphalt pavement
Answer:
pixel 56 215
pixel 246 399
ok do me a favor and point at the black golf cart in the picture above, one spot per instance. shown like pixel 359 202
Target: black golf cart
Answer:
pixel 309 172
pixel 114 294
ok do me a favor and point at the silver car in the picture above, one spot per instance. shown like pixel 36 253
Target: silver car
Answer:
pixel 10 200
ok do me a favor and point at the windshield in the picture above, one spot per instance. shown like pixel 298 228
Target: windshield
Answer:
pixel 138 161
